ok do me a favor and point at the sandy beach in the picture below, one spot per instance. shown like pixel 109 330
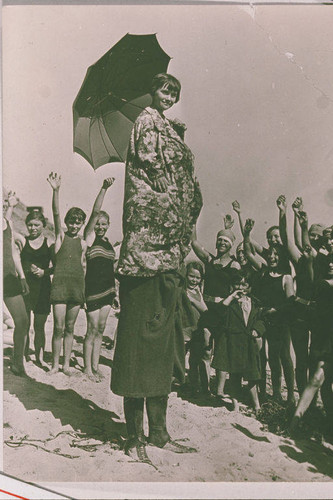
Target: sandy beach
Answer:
pixel 59 428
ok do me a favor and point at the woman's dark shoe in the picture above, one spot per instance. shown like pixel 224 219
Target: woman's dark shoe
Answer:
pixel 137 451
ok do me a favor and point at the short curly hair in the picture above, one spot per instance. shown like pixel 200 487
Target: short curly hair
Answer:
pixel 165 79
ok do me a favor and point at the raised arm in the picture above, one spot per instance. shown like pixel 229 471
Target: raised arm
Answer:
pixel 297 206
pixel 228 221
pixel 303 221
pixel 55 182
pixel 89 229
pixel 198 249
pixel 254 259
pixel 255 245
pixel 283 227
pixel 236 207
pixel 12 202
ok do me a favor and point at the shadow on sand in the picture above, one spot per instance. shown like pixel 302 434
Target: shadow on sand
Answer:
pixel 83 415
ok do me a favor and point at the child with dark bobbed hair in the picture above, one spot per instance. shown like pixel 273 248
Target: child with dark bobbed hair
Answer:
pixel 36 258
pixel 68 285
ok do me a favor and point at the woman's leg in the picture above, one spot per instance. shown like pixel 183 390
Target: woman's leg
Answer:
pixel 102 318
pixel 275 364
pixel 59 315
pixel 16 307
pixel 39 340
pixel 71 315
pixel 287 363
pixel 308 394
pixel 92 324
pixel 327 393
pixel 300 334
pixel 263 364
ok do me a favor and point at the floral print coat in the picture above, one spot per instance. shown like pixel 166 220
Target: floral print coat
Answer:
pixel 157 227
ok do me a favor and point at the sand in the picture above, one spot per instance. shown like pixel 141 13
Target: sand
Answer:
pixel 73 429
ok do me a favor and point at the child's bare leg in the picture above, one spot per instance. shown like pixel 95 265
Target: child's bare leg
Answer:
pixel 92 322
pixel 96 351
pixel 221 378
pixel 39 341
pixel 204 370
pixel 327 392
pixel 235 389
pixel 71 315
pixel 253 389
pixel 299 331
pixel 59 315
pixel 288 367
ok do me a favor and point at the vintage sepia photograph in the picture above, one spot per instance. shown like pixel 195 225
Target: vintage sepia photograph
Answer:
pixel 167 188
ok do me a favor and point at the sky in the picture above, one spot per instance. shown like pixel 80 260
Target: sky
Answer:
pixel 257 98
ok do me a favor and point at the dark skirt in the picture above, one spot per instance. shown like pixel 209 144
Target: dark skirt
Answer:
pixel 150 343
pixel 237 353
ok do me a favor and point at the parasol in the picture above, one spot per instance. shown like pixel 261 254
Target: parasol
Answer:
pixel 114 92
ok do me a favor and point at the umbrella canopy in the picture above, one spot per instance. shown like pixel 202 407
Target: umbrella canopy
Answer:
pixel 114 92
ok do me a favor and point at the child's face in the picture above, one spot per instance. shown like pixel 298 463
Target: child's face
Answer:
pixel 223 245
pixel 193 278
pixel 35 228
pixel 101 226
pixel 74 226
pixel 243 286
pixel 273 238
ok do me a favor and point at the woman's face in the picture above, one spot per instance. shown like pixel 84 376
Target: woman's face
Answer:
pixel 273 259
pixel 242 260
pixel 101 226
pixel 315 240
pixel 164 98
pixel 193 278
pixel 273 238
pixel 35 228
pixel 223 245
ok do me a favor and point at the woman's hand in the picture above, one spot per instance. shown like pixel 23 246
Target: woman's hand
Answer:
pixel 108 182
pixel 24 286
pixel 236 206
pixel 248 226
pixel 297 205
pixel 160 184
pixel 228 221
pixel 12 199
pixel 37 271
pixel 282 203
pixel 54 180
pixel 307 252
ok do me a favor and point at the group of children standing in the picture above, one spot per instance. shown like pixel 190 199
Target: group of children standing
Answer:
pixel 83 275
pixel 246 301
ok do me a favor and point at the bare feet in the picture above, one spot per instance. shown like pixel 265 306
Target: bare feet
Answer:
pixel 66 370
pixel 99 375
pixel 53 370
pixel 235 405
pixel 90 375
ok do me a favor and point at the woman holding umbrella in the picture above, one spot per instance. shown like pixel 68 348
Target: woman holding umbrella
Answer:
pixel 161 205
